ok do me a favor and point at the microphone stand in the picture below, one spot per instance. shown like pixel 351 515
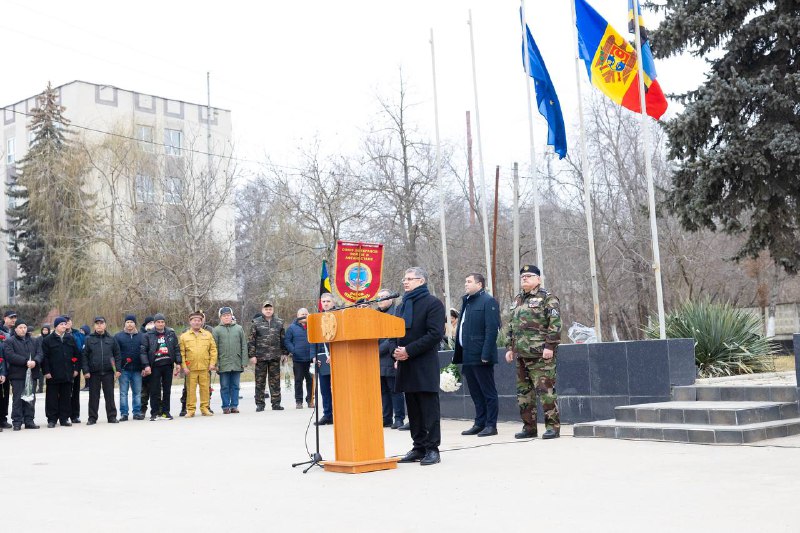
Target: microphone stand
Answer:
pixel 316 457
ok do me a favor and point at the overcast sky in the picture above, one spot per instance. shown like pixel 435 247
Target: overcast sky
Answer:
pixel 290 71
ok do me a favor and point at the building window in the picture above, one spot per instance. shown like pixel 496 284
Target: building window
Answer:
pixel 144 189
pixel 172 142
pixel 144 134
pixel 11 151
pixel 173 190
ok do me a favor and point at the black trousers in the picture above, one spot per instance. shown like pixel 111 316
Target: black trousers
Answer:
pixel 424 419
pixel 58 401
pixel 22 412
pixel 5 396
pixel 106 381
pixel 145 393
pixel 160 387
pixel 75 399
pixel 482 390
pixel 302 372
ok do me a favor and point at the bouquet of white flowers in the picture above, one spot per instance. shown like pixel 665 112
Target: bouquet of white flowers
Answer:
pixel 450 378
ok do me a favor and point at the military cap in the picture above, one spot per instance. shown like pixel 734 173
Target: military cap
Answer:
pixel 530 269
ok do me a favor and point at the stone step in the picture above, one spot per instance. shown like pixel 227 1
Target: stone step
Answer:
pixel 690 433
pixel 708 393
pixel 714 413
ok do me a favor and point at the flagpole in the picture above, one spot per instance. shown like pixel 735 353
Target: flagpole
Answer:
pixel 516 228
pixel 587 183
pixel 537 225
pixel 648 165
pixel 480 161
pixel 440 179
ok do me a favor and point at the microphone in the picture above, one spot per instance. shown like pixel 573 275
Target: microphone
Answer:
pixel 389 297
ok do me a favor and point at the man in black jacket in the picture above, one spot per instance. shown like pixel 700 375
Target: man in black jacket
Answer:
pixel 476 351
pixel 101 363
pixel 60 364
pixel 9 319
pixel 160 354
pixel 391 401
pixel 22 354
pixel 418 365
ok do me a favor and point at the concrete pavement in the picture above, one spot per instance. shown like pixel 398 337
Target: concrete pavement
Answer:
pixel 233 473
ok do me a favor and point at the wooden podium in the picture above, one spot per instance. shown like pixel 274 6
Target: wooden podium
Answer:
pixel 353 336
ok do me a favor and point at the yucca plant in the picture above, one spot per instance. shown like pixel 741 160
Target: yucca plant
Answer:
pixel 728 340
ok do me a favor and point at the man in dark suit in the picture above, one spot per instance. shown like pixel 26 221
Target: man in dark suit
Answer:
pixel 476 351
pixel 418 365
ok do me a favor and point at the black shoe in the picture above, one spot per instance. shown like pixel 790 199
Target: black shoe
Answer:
pixel 51 425
pixel 138 417
pixel 277 408
pixel 91 422
pixel 166 416
pixel 76 420
pixel 5 425
pixel 113 421
pixel 241 397
pixel 123 418
pixel 31 426
pixel 324 421
pixel 387 424
pixel 524 434
pixel 17 428
pixel 259 408
pixel 550 434
pixel 488 431
pixel 397 424
pixel 413 456
pixel 210 410
pixel 405 427
pixel 474 430
pixel 66 423
pixel 182 413
pixel 153 418
pixel 431 458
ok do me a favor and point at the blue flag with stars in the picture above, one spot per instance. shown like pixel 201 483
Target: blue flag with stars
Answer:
pixel 546 97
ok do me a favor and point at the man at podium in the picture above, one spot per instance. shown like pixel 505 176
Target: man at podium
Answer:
pixel 418 365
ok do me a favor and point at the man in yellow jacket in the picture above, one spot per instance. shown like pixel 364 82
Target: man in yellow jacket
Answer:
pixel 199 352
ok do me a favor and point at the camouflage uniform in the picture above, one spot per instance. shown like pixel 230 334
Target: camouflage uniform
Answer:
pixel 535 324
pixel 266 345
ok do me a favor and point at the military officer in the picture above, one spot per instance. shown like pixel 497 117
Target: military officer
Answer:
pixel 534 333
pixel 266 350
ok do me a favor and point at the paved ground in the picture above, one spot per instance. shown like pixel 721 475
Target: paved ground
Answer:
pixel 233 473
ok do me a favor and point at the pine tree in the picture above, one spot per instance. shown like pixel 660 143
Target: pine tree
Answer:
pixel 48 221
pixel 736 145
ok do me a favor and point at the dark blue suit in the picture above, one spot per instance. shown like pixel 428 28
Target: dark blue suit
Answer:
pixel 476 351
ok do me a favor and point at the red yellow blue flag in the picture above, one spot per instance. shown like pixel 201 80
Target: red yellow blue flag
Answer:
pixel 611 63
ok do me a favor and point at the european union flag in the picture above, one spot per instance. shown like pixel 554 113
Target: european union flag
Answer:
pixel 546 98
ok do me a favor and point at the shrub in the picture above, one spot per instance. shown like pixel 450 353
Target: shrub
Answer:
pixel 728 340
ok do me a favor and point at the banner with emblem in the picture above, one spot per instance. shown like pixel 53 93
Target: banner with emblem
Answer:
pixel 359 268
pixel 611 62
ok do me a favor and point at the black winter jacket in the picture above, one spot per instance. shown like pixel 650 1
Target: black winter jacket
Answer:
pixel 150 346
pixel 18 351
pixel 60 357
pixel 98 352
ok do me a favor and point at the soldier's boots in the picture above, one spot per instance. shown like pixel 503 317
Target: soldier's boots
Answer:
pixel 551 434
pixel 526 434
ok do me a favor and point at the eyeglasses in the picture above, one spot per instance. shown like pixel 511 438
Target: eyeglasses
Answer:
pixel 525 276
pixel 408 279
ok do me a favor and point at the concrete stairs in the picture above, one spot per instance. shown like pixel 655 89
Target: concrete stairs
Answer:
pixel 705 415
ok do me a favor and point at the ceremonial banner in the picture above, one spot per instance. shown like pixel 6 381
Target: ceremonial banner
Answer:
pixel 324 284
pixel 612 63
pixel 358 270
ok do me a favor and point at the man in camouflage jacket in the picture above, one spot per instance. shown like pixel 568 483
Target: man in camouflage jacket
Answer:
pixel 534 332
pixel 266 350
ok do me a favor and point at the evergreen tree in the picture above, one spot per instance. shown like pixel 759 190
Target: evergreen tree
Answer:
pixel 48 221
pixel 736 145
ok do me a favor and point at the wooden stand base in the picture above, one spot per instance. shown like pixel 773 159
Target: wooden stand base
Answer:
pixel 358 467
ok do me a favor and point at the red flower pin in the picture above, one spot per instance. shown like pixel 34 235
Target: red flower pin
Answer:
pixel 128 359
pixel 74 359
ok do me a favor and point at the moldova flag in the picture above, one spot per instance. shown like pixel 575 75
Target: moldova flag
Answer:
pixel 324 284
pixel 612 63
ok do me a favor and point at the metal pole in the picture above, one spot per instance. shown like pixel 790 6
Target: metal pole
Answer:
pixel 485 197
pixel 469 168
pixel 537 225
pixel 440 179
pixel 494 232
pixel 208 122
pixel 648 166
pixel 516 228
pixel 587 184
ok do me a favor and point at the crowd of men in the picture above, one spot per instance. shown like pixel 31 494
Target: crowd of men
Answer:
pixel 145 359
